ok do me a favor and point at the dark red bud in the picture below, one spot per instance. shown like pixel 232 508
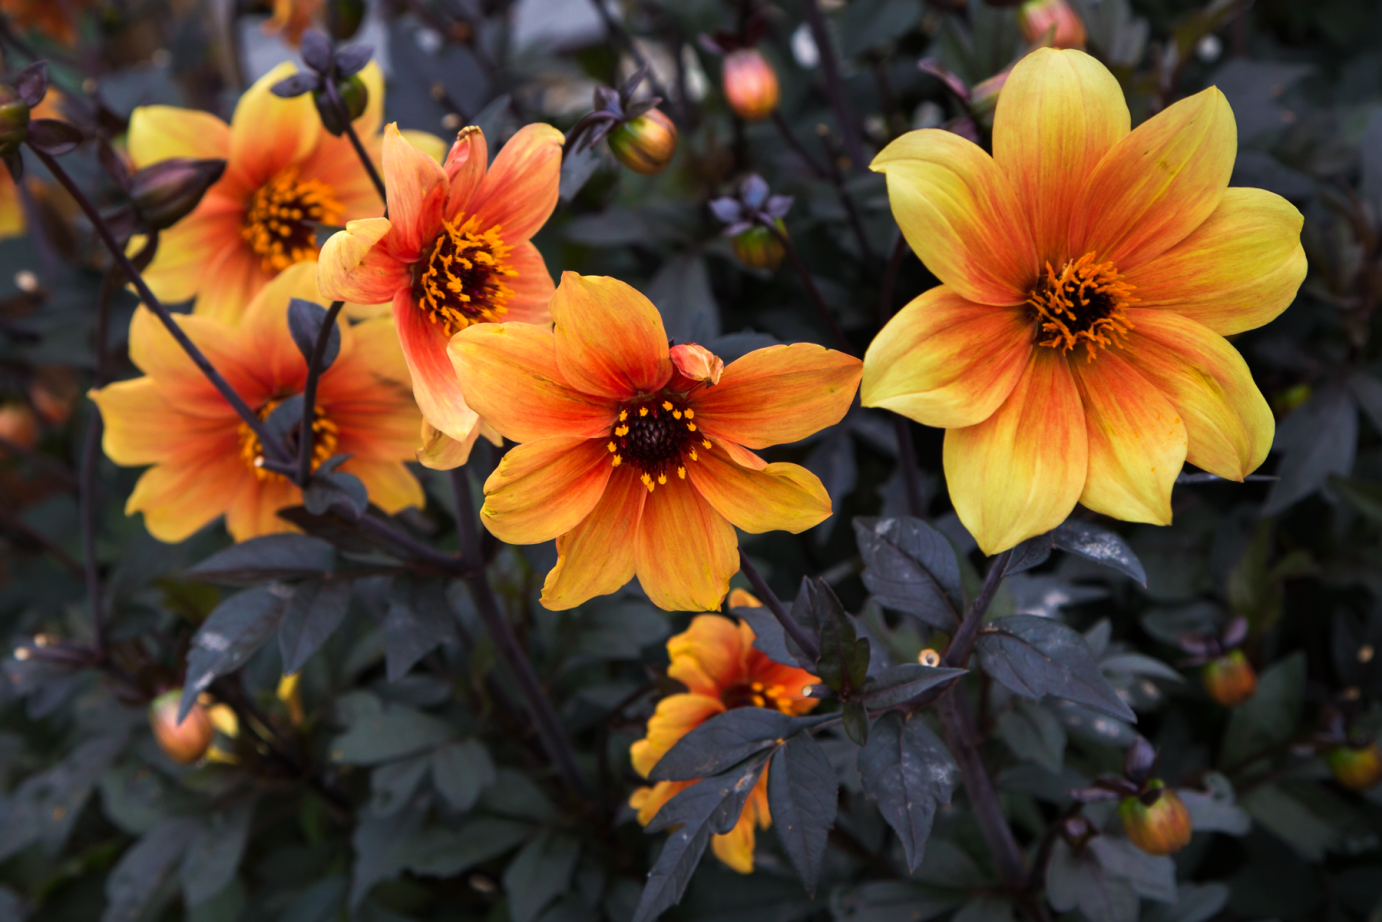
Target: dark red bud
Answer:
pixel 166 192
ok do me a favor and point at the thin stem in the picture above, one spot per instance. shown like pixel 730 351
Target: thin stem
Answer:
pixel 390 534
pixel 770 599
pixel 344 115
pixel 467 535
pixel 885 293
pixel 841 341
pixel 834 88
pixel 22 530
pixel 309 392
pixel 851 210
pixel 963 642
pixel 790 137
pixel 250 418
pixel 623 37
pixel 907 460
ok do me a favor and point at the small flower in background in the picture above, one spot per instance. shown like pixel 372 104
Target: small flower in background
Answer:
pixel 1357 766
pixel 207 462
pixel 1227 675
pixel 630 458
pixel 53 18
pixel 455 251
pixel 640 136
pixel 1037 17
pixel 1075 349
pixel 1154 817
pixel 18 425
pixel 1350 751
pixel 184 742
pixel 750 84
pixel 752 217
pixel 291 18
pixel 716 660
pixel 285 178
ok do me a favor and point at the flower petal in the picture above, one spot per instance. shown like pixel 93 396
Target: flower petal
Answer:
pixel 709 656
pixel 143 427
pixel 1229 425
pixel 946 362
pixel 1058 114
pixel 1137 441
pixel 163 132
pixel 735 848
pixel 1236 271
pixel 178 500
pixel 685 551
pixel 597 556
pixel 391 486
pixel 368 122
pixel 187 249
pixel 510 371
pixel 1020 472
pixel 268 133
pixel 779 394
pixel 543 489
pixel 435 385
pixel 154 351
pixel 519 191
pixel 355 265
pixel 264 327
pixel 781 497
pixel 1157 184
pixel 960 215
pixel 532 286
pixel 440 452
pixel 610 339
pixel 416 187
pixel 647 801
pixel 253 509
pixel 228 285
pixel 676 716
pixel 465 165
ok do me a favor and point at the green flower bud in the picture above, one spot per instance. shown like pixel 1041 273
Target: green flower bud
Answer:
pixel 1356 767
pixel 759 248
pixel 354 97
pixel 1160 828
pixel 14 120
pixel 1230 679
pixel 645 144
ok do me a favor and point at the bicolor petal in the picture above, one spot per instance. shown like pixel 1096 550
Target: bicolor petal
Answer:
pixel 466 164
pixel 684 552
pixel 268 133
pixel 541 490
pixel 355 265
pixel 164 132
pixel 417 189
pixel 597 556
pixel 609 338
pixel 519 191
pixel 781 497
pixel 435 384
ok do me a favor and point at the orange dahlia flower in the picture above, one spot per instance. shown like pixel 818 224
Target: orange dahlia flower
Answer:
pixel 1075 349
pixel 717 662
pixel 455 251
pixel 285 176
pixel 206 461
pixel 632 457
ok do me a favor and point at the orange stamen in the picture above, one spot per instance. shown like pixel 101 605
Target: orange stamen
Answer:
pixel 280 223
pixel 1082 303
pixel 463 279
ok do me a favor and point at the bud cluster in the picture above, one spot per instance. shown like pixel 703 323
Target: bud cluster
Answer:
pixel 640 135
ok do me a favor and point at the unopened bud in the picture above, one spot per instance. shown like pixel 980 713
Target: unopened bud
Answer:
pixel 166 192
pixel 1035 17
pixel 18 425
pixel 14 120
pixel 1356 767
pixel 182 742
pixel 354 96
pixel 699 364
pixel 645 144
pixel 750 84
pixel 759 248
pixel 1230 679
pixel 929 657
pixel 1159 828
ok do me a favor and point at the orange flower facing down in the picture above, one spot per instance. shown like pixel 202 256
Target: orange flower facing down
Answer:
pixel 285 176
pixel 1075 349
pixel 206 461
pixel 634 467
pixel 716 660
pixel 455 251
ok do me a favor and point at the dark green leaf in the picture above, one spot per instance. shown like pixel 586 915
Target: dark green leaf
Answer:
pixel 539 874
pixel 419 620
pixel 1270 716
pixel 844 659
pixel 136 878
pixel 336 491
pixel 448 851
pixel 316 609
pixel 1030 553
pixel 902 683
pixel 1364 496
pixel 1104 547
pixel 1151 876
pixel 1034 734
pixel 1194 903
pixel 391 735
pixel 802 797
pixel 1034 657
pixel 1077 880
pixel 894 901
pixel 213 856
pixel 261 560
pixel 724 741
pixel 305 321
pixel 910 567
pixel 394 784
pixel 770 637
pixel 907 770
pixel 1320 438
pixel 228 638
pixel 856 722
pixel 461 771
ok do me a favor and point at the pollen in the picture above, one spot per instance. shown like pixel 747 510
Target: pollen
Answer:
pixel 650 436
pixel 1082 303
pixel 326 436
pixel 462 280
pixel 281 221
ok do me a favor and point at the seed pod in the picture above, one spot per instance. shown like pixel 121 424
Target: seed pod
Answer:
pixel 184 742
pixel 14 120
pixel 759 248
pixel 645 144
pixel 1159 828
pixel 1230 679
pixel 1036 16
pixel 166 192
pixel 354 97
pixel 750 84
pixel 1356 767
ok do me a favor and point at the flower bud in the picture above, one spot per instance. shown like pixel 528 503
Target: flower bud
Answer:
pixel 759 248
pixel 750 84
pixel 14 120
pixel 1159 828
pixel 182 742
pixel 18 425
pixel 166 192
pixel 1356 767
pixel 1036 16
pixel 1230 679
pixel 354 97
pixel 698 363
pixel 645 144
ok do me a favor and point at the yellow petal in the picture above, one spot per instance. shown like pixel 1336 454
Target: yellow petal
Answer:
pixel 685 552
pixel 163 132
pixel 543 489
pixel 353 265
pixel 597 556
pixel 676 716
pixel 268 133
pixel 391 486
pixel 781 497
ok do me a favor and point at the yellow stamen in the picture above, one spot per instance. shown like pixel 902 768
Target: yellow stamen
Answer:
pixel 463 279
pixel 690 414
pixel 325 438
pixel 666 404
pixel 642 411
pixel 681 472
pixel 278 224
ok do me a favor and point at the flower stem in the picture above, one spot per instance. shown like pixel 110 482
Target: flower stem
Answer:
pixel 963 641
pixel 250 418
pixel 885 293
pixel 907 460
pixel 797 147
pixel 841 341
pixel 309 392
pixel 770 599
pixel 344 114
pixel 833 86
pixel 851 210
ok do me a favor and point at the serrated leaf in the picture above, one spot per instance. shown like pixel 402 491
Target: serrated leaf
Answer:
pixel 724 741
pixel 911 568
pixel 1034 657
pixel 265 559
pixel 316 609
pixel 803 795
pixel 1104 547
pixel 903 683
pixel 305 319
pixel 908 772
pixel 228 638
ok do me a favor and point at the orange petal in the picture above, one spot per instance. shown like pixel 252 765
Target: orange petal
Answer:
pixel 465 166
pixel 709 657
pixel 1137 441
pixel 440 452
pixel 143 427
pixel 435 384
pixel 685 551
pixel 597 556
pixel 1058 114
pixel 779 394
pixel 154 351
pixel 1236 271
pixel 355 265
pixel 543 489
pixel 253 510
pixel 532 286
pixel 1020 472
pixel 739 454
pixel 649 800
pixel 735 848
pixel 610 339
pixel 781 497
pixel 1158 183
pixel 416 186
pixel 178 500
pixel 268 133
pixel 277 359
pixel 187 249
pixel 1229 425
pixel 946 362
pixel 960 215
pixel 163 132
pixel 520 189
pixel 367 124
pixel 676 716
pixel 229 283
pixel 391 486
pixel 510 371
